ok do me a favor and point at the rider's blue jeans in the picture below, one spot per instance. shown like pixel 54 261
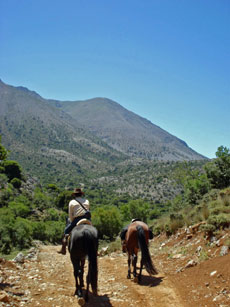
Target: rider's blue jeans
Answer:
pixel 70 226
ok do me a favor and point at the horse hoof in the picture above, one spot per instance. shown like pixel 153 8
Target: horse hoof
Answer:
pixel 81 301
pixel 95 292
pixel 128 276
pixel 135 279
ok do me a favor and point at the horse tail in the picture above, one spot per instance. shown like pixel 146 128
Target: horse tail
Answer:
pixel 146 258
pixel 91 244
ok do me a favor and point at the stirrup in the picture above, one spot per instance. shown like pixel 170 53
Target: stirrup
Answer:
pixel 84 221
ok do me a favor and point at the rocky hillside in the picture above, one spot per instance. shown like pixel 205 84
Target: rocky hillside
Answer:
pixel 91 141
pixel 126 131
pixel 48 142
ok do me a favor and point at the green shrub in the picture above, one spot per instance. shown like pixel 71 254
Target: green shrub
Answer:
pixel 205 211
pixel 22 233
pixel 207 228
pixel 54 231
pixel 39 231
pixel 219 221
pixel 12 169
pixel 218 170
pixel 3 180
pixel 203 255
pixel 107 220
pixel 6 195
pixel 40 200
pixel 7 220
pixel 3 151
pixel 52 214
pixel 63 200
pixel 16 183
pixel 136 209
pixel 19 209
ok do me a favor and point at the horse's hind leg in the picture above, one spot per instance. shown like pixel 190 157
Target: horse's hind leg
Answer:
pixel 76 267
pixel 134 262
pixel 82 273
pixel 129 263
pixel 139 276
pixel 88 282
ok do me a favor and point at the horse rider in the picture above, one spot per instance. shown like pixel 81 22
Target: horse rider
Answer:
pixel 78 209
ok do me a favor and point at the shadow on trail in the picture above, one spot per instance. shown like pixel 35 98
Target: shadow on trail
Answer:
pixel 150 281
pixel 99 300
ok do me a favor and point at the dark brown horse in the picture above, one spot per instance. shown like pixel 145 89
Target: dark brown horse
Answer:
pixel 83 244
pixel 137 237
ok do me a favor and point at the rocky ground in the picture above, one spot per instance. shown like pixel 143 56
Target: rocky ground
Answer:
pixel 192 272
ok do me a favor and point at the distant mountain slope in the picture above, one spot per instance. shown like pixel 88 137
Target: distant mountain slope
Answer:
pixel 125 131
pixel 47 141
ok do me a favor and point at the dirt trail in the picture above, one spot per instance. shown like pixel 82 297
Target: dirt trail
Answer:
pixel 47 280
pixel 51 283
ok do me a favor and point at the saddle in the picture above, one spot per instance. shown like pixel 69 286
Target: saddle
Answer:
pixel 84 221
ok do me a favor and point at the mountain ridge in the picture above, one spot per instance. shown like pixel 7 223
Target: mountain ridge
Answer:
pixel 126 131
pixel 55 146
pixel 121 129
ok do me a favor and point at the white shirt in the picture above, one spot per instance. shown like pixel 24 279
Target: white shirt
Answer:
pixel 75 209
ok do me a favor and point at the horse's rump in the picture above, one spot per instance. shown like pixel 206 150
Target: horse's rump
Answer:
pixel 131 237
pixel 81 235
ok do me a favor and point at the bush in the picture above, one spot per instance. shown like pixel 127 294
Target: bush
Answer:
pixel 6 195
pixel 3 180
pixel 208 228
pixel 7 220
pixel 16 183
pixel 176 222
pixel 195 188
pixel 107 220
pixel 40 200
pixel 39 231
pixel 219 221
pixel 63 200
pixel 12 169
pixel 136 209
pixel 3 151
pixel 205 211
pixel 54 231
pixel 52 215
pixel 218 170
pixel 19 209
pixel 22 233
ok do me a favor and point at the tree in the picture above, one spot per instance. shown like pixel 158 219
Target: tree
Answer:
pixel 195 188
pixel 12 169
pixel 22 232
pixel 107 220
pixel 218 170
pixel 63 200
pixel 3 151
pixel 139 209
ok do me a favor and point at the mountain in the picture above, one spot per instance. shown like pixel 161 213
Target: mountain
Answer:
pixel 125 131
pixel 48 142
pixel 96 142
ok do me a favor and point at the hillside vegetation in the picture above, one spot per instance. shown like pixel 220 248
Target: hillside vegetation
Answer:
pixel 31 211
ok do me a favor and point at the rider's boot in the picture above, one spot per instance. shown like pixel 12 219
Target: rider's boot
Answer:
pixel 64 244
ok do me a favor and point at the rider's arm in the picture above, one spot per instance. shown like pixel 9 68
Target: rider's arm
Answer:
pixel 71 213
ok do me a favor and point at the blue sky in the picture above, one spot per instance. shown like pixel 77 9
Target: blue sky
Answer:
pixel 165 60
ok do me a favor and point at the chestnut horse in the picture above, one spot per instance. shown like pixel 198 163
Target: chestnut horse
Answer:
pixel 137 237
pixel 83 243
